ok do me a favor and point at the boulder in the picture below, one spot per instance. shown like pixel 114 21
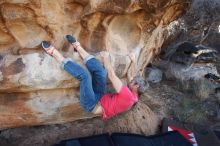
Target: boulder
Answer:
pixel 34 89
pixel 189 66
pixel 131 121
pixel 153 74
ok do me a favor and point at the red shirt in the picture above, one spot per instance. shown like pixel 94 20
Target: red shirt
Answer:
pixel 113 104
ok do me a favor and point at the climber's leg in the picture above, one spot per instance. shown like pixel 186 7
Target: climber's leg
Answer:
pixel 96 69
pixel 87 96
pixel 99 75
pixel 88 99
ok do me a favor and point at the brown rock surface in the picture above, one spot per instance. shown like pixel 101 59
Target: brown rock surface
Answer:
pixel 34 90
pixel 131 121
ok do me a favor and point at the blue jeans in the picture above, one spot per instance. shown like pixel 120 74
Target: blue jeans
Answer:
pixel 92 87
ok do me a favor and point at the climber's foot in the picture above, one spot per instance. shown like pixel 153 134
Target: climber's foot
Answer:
pixel 48 47
pixel 72 40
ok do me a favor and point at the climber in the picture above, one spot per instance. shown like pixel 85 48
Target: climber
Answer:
pixel 92 88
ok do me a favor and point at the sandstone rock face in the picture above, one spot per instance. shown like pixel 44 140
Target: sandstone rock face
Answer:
pixel 34 89
pixel 132 121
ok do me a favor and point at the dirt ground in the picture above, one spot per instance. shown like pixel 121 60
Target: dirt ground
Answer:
pixel 163 98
